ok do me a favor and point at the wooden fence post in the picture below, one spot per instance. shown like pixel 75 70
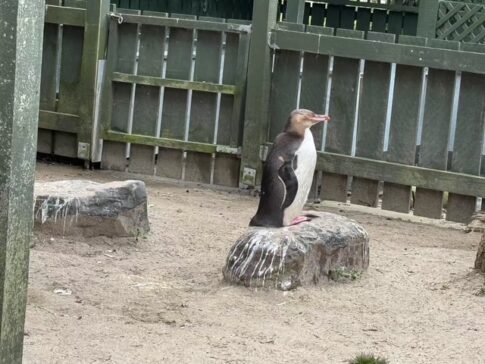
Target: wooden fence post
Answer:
pixel 427 17
pixel 21 23
pixel 258 90
pixel 295 10
pixel 95 42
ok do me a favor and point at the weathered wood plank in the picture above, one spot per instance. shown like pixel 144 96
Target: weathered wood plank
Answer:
pixel 371 127
pixel 314 89
pixel 284 90
pixel 147 98
pixel 434 144
pixel 114 156
pixel 65 15
pixel 468 141
pixel 59 122
pixel 402 137
pixel 48 88
pixel 21 57
pixel 398 173
pixel 343 107
pixel 259 76
pixel 93 51
pixel 70 76
pixel 177 21
pixel 404 54
pixel 174 83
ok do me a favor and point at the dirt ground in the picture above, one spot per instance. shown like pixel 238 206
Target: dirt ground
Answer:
pixel 161 299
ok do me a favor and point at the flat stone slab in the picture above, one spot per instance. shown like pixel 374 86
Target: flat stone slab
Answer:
pixel 89 209
pixel 330 247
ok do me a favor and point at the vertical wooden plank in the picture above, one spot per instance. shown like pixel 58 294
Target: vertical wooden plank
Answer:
pixel 347 17
pixel 318 14
pixel 402 136
pixel 21 25
pixel 395 22
pixel 379 20
pixel 147 98
pixel 428 14
pixel 93 50
pixel 306 13
pixel 126 55
pixel 410 24
pixel 371 127
pixel 333 16
pixel 70 76
pixel 343 107
pixel 434 144
pixel 259 73
pixel 468 141
pixel 363 19
pixel 175 101
pixel 314 89
pixel 117 96
pixel 295 10
pixel 207 64
pixel 114 156
pixel 313 97
pixel 48 88
pixel 284 89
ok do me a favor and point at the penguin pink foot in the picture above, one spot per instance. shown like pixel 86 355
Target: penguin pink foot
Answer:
pixel 299 219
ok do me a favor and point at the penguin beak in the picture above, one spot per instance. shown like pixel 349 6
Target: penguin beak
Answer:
pixel 319 118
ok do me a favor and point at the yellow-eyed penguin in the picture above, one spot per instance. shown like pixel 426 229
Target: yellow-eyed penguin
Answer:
pixel 288 172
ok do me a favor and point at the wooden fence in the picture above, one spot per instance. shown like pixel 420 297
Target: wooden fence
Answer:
pixel 385 102
pixel 408 112
pixel 176 108
pixel 74 42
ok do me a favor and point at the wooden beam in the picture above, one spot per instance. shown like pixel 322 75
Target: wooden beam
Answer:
pixel 65 15
pixel 402 174
pixel 427 18
pixel 177 22
pixel 95 41
pixel 21 24
pixel 405 54
pixel 258 84
pixel 171 83
pixel 295 10
pixel 57 121
pixel 115 136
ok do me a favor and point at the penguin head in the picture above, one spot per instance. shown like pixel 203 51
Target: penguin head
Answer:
pixel 302 119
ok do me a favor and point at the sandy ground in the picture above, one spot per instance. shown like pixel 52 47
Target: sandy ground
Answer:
pixel 161 299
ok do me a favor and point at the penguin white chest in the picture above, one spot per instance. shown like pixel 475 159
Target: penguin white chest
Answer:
pixel 306 161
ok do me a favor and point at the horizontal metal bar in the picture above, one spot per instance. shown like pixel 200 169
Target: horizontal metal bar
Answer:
pixel 65 15
pixel 462 184
pixel 168 143
pixel 171 83
pixel 185 23
pixel 413 55
pixel 59 122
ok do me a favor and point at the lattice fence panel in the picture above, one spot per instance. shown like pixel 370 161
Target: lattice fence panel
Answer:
pixel 461 21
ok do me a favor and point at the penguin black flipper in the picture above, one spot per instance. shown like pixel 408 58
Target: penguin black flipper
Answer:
pixel 287 174
pixel 279 184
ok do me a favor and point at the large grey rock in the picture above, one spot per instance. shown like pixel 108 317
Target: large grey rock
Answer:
pixel 330 247
pixel 85 208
